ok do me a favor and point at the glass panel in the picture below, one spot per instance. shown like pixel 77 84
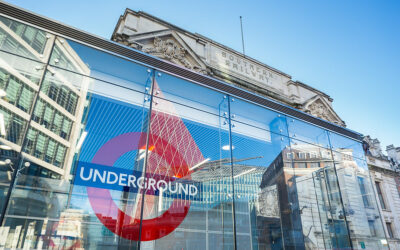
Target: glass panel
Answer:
pixel 260 190
pixel 75 121
pixel 188 152
pixel 346 145
pixel 319 201
pixel 318 198
pixel 22 48
pixel 11 126
pixel 19 78
pixel 180 91
pixel 306 132
pixel 26 98
pixel 84 60
pixel 57 89
pixel 116 137
pixel 8 161
pixel 66 128
pixel 23 40
pixel 257 116
pixel 359 202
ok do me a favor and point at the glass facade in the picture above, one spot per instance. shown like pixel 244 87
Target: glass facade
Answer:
pixel 99 152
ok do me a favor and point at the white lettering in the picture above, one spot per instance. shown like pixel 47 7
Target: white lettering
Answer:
pixel 109 178
pixel 185 189
pixel 140 181
pixel 131 181
pixel 86 178
pixel 162 182
pixel 122 177
pixel 192 190
pixel 127 180
pixel 97 174
pixel 243 67
pixel 152 182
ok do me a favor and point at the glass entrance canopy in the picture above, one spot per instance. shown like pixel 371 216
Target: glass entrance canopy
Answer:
pixel 98 151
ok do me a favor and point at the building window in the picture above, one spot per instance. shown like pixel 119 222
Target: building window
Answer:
pixel 61 60
pixel 389 229
pixel 18 93
pixel 61 95
pixel 52 119
pixel 45 148
pixel 34 37
pixel 372 227
pixel 363 190
pixel 313 154
pixel 301 165
pixel 314 165
pixel 380 195
pixel 8 43
pixel 14 125
pixel 301 155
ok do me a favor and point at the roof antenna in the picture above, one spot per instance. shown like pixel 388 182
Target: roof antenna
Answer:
pixel 241 28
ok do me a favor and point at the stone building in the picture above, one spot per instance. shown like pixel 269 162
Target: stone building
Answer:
pixel 154 36
pixel 385 173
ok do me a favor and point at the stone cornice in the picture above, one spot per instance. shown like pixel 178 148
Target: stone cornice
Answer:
pixel 384 170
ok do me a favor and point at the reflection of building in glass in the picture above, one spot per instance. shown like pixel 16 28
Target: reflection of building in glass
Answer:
pixel 39 115
pixel 54 122
pixel 385 174
pixel 267 176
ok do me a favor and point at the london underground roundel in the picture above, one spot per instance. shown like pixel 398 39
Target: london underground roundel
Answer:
pixel 171 153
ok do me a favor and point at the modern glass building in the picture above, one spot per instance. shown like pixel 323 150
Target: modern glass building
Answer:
pixel 105 147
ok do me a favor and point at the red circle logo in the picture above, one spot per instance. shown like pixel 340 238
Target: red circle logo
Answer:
pixel 118 221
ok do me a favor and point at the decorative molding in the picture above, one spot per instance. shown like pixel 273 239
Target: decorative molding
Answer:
pixel 316 106
pixel 171 50
pixel 124 39
pixel 384 171
pixel 320 110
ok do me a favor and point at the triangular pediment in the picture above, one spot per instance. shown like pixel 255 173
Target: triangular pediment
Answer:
pixel 168 45
pixel 319 107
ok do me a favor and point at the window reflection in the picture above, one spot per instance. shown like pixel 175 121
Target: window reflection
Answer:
pixel 189 144
pixel 360 208
pixel 306 132
pixel 98 65
pixel 23 40
pixel 256 185
pixel 347 146
pixel 186 93
pixel 258 116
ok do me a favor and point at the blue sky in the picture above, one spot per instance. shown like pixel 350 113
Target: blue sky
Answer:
pixel 348 49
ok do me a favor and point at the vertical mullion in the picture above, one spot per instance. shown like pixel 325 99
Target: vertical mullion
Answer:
pixel 152 72
pixel 232 179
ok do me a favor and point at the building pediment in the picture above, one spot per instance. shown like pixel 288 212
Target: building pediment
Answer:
pixel 320 108
pixel 193 51
pixel 168 45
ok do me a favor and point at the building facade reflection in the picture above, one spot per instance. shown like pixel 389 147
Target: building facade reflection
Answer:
pixel 265 181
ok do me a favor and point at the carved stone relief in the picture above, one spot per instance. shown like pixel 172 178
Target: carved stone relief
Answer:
pixel 320 110
pixel 169 49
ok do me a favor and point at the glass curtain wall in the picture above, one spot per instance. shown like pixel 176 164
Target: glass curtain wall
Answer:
pixel 99 152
